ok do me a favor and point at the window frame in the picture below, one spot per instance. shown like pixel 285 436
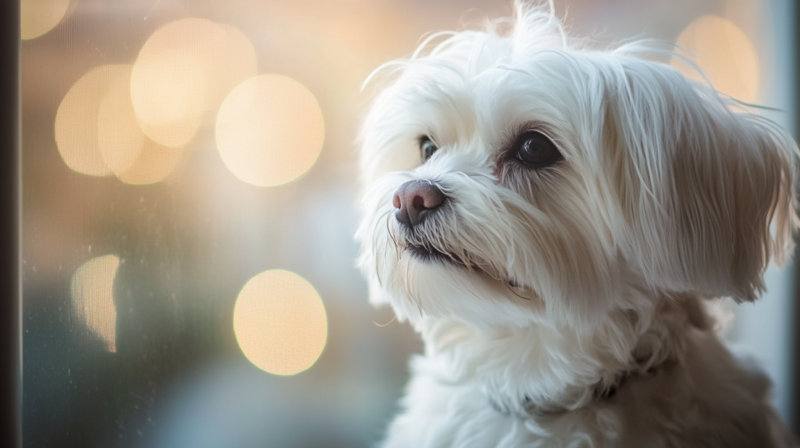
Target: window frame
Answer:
pixel 10 242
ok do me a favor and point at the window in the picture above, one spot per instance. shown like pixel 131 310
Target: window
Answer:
pixel 190 165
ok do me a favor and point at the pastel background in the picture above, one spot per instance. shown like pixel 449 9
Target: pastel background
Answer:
pixel 189 205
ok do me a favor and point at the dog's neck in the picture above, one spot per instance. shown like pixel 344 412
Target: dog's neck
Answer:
pixel 547 369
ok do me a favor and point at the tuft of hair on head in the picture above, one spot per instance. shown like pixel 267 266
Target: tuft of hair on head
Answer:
pixel 536 25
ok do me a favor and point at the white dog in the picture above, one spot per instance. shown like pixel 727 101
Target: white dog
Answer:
pixel 552 220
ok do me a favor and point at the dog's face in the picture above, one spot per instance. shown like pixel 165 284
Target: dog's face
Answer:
pixel 515 179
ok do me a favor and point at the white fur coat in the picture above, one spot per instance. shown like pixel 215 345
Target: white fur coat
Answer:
pixel 561 291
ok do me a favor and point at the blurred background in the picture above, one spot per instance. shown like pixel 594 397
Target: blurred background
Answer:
pixel 189 205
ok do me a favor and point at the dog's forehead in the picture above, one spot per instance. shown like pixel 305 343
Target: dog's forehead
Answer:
pixel 453 101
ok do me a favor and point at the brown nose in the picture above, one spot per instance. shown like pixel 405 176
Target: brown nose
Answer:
pixel 415 200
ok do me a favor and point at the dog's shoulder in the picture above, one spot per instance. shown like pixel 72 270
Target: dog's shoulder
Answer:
pixel 708 398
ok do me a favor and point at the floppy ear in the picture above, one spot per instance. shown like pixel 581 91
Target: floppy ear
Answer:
pixel 706 190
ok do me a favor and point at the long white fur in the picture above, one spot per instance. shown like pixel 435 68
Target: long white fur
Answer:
pixel 566 279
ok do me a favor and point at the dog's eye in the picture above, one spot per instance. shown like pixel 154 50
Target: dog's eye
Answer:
pixel 426 148
pixel 536 150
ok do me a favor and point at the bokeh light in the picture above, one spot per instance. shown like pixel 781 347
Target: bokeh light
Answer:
pixel 93 297
pixel 269 130
pixel 233 60
pixel 154 164
pixel 37 17
pixel 97 132
pixel 724 53
pixel 183 71
pixel 76 126
pixel 169 85
pixel 118 135
pixel 280 322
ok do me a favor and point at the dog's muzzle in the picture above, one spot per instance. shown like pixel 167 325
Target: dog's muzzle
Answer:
pixel 416 200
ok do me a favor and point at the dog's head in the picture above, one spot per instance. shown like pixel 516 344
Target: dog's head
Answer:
pixel 516 178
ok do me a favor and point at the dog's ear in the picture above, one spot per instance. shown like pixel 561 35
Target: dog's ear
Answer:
pixel 705 190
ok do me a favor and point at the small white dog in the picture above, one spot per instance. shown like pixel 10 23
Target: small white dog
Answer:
pixel 552 219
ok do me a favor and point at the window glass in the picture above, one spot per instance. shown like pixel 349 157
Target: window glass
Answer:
pixel 189 205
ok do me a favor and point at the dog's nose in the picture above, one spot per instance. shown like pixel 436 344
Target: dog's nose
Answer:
pixel 415 200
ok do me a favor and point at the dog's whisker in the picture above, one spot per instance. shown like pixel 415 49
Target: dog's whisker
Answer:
pixel 387 323
pixel 391 232
pixel 408 287
pixel 386 247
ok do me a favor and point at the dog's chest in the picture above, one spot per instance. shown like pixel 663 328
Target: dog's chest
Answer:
pixel 675 407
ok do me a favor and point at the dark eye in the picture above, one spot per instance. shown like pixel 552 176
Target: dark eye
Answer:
pixel 426 148
pixel 536 150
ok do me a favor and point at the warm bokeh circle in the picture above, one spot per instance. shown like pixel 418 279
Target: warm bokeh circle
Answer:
pixel 724 53
pixel 169 84
pixel 182 72
pixel 37 17
pixel 269 130
pixel 77 125
pixel 280 322
pixel 97 132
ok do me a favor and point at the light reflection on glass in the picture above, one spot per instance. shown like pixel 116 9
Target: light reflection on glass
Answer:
pixel 269 130
pixel 93 297
pixel 280 322
pixel 724 53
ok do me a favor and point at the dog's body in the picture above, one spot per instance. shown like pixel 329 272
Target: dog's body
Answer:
pixel 456 398
pixel 552 220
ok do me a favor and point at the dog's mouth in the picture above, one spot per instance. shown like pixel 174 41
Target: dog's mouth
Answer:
pixel 428 254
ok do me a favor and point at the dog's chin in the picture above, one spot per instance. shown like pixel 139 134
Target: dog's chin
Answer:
pixel 439 285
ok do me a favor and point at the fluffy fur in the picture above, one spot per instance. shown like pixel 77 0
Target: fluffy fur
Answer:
pixel 569 309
